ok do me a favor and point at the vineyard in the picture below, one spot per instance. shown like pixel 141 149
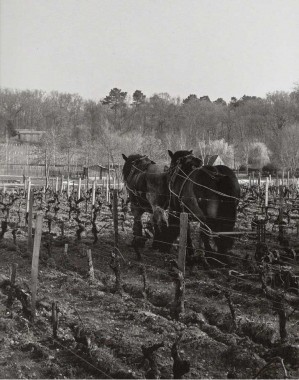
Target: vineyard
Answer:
pixel 107 310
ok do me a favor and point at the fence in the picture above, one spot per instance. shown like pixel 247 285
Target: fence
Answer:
pixel 39 170
pixel 177 274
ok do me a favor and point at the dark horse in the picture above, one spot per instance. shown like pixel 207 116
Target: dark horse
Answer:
pixel 209 194
pixel 147 187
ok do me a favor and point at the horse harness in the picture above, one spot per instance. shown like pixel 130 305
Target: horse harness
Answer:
pixel 213 175
pixel 136 172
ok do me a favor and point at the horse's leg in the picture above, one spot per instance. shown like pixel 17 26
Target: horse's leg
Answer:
pixel 138 239
pixel 206 225
pixel 170 232
pixel 159 220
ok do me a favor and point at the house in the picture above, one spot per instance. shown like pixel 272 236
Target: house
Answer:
pixel 212 160
pixel 96 171
pixel 28 135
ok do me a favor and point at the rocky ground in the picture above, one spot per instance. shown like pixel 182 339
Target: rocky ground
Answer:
pixel 230 328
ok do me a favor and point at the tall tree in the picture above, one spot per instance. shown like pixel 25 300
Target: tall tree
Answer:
pixel 138 98
pixel 116 101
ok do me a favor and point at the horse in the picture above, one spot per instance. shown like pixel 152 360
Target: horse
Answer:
pixel 209 194
pixel 147 187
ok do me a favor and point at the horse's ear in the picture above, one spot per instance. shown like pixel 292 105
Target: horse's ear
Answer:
pixel 191 151
pixel 153 162
pixel 170 153
pixel 124 157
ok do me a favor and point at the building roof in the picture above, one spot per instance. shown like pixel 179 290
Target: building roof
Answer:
pixel 210 159
pixel 29 132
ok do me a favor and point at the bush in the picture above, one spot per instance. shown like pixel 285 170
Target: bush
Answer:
pixel 269 169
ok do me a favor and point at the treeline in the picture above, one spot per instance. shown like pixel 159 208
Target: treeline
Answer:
pixel 247 131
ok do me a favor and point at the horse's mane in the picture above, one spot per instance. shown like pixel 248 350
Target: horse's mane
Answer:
pixel 179 154
pixel 187 159
pixel 130 161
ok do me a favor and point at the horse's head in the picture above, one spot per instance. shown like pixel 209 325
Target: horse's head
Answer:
pixel 135 162
pixel 185 159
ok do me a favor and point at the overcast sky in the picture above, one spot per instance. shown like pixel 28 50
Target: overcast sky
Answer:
pixel 220 48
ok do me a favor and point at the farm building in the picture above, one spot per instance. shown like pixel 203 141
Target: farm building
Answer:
pixel 97 171
pixel 28 135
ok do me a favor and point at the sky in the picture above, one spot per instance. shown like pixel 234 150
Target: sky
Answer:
pixel 219 48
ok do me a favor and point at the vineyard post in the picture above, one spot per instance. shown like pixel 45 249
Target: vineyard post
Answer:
pixel 180 279
pixel 56 185
pixel 249 179
pixel 280 216
pixel 30 217
pixel 35 260
pixel 68 186
pixel 93 197
pixel 253 178
pixel 114 263
pixel 61 186
pixel 79 188
pixel 267 192
pixel 90 265
pixel 28 192
pixel 282 177
pixel 87 178
pixel 288 179
pixel 270 179
pixel 115 217
pixel 54 318
pixel 107 191
pixel 259 180
pixel 183 241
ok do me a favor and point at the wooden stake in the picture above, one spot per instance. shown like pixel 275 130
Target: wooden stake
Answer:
pixel 79 188
pixel 183 241
pixel 93 197
pixel 107 192
pixel 28 194
pixel 61 186
pixel 179 301
pixel 267 192
pixel 90 264
pixel 280 215
pixel 259 179
pixel 115 217
pixel 54 319
pixel 56 185
pixel 35 260
pixel 30 217
pixel 68 186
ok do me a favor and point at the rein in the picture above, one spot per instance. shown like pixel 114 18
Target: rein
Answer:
pixel 187 177
pixel 133 171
